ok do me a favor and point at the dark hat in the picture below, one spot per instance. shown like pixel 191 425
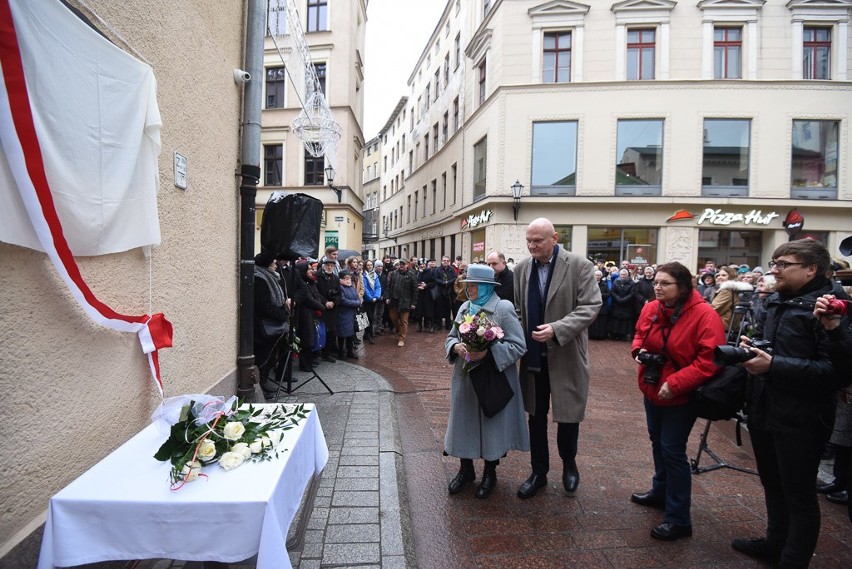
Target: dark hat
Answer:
pixel 264 259
pixel 480 274
pixel 327 261
pixel 344 273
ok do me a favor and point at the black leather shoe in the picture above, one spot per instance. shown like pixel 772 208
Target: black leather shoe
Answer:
pixel 570 479
pixel 531 485
pixel 486 487
pixel 829 488
pixel 841 497
pixel 649 499
pixel 759 548
pixel 461 480
pixel 671 532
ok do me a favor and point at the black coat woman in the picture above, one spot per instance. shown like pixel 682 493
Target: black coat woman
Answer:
pixel 309 305
pixel 270 305
pixel 623 315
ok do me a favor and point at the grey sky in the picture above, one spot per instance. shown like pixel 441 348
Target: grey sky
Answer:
pixel 397 32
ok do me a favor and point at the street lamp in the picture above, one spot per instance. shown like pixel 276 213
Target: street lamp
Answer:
pixel 517 188
pixel 329 177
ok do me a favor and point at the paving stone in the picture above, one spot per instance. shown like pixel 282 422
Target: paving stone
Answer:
pixel 353 516
pixel 355 499
pixel 358 472
pixel 353 533
pixel 356 484
pixel 359 460
pixel 351 554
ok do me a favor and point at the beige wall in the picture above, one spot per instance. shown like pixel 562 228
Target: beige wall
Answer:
pixel 73 391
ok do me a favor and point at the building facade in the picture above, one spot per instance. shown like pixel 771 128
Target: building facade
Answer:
pixel 73 390
pixel 335 35
pixel 647 130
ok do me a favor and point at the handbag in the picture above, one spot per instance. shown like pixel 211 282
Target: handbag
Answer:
pixel 491 386
pixel 272 329
pixel 319 335
pixel 722 396
pixel 362 321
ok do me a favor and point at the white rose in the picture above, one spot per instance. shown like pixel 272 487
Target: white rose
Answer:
pixel 480 331
pixel 256 446
pixel 190 471
pixel 276 437
pixel 266 441
pixel 230 460
pixel 233 430
pixel 206 450
pixel 243 449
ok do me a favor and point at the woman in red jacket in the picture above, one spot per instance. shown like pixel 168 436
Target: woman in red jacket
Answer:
pixel 675 337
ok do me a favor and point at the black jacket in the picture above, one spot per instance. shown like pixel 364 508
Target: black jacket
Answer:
pixel 796 395
pixel 506 290
pixel 623 299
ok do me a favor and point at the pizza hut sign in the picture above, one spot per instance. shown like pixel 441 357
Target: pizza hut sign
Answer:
pixel 475 220
pixel 719 217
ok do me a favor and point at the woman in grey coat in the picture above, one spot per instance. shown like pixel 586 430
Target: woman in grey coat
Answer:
pixel 470 434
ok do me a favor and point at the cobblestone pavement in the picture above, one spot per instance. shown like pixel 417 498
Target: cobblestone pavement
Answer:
pixel 599 527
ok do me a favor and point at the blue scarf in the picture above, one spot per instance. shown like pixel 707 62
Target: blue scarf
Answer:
pixel 483 293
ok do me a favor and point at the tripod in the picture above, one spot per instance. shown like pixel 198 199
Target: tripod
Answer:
pixel 284 371
pixel 720 463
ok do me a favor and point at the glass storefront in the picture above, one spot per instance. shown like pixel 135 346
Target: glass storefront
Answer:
pixel 637 245
pixel 731 246
pixel 477 246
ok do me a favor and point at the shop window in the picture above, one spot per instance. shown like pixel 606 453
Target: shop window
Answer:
pixel 731 246
pixel 554 158
pixel 636 245
pixel 639 158
pixel 813 171
pixel 726 157
pixel 564 239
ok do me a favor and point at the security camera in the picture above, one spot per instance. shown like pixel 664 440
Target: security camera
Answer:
pixel 241 76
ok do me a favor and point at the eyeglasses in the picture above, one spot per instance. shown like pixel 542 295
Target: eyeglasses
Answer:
pixel 781 265
pixel 662 284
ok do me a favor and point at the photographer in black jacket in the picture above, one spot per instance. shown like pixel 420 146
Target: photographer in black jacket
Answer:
pixel 790 405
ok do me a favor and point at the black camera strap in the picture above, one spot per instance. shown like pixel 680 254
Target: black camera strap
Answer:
pixel 665 331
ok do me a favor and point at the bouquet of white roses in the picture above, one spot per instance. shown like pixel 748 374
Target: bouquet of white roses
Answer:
pixel 205 429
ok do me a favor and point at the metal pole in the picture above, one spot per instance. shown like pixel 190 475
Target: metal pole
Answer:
pixel 250 174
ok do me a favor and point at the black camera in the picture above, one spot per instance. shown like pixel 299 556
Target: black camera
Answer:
pixel 726 355
pixel 653 367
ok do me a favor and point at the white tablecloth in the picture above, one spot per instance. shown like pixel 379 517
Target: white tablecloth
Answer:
pixel 122 508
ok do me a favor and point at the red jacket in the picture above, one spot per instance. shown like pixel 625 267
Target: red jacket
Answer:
pixel 688 351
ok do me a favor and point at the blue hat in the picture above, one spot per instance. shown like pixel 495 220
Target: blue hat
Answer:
pixel 480 274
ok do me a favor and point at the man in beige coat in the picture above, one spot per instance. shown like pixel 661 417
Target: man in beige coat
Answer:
pixel 557 299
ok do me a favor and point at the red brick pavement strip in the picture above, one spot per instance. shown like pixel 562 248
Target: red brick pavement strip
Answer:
pixel 598 527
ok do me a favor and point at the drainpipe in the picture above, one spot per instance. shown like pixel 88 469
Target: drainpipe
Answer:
pixel 250 174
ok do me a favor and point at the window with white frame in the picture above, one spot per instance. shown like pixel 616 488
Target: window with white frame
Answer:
pixel 725 165
pixel 641 53
pixel 273 157
pixel 556 57
pixel 554 158
pixel 820 39
pixel 639 157
pixel 813 159
pixel 727 53
pixel 816 53
pixel 642 37
pixel 317 15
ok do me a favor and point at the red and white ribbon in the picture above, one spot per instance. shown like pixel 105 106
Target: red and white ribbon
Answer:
pixel 21 146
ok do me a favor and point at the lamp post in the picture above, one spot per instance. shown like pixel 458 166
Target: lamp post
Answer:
pixel 517 188
pixel 329 177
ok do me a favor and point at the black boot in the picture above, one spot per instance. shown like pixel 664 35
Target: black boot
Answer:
pixel 489 480
pixel 306 360
pixel 350 349
pixel 419 325
pixel 466 474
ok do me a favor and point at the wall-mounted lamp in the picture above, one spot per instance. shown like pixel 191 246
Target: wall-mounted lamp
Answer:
pixel 329 177
pixel 517 188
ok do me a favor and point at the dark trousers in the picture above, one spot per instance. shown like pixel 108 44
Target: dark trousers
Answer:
pixel 669 428
pixel 788 466
pixel 566 433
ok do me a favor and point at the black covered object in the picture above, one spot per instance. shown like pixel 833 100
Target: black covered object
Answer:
pixel 723 395
pixel 291 226
pixel 491 386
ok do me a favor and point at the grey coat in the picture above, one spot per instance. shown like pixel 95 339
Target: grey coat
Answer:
pixel 573 302
pixel 470 434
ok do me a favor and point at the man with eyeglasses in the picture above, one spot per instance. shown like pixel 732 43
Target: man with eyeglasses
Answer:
pixel 790 404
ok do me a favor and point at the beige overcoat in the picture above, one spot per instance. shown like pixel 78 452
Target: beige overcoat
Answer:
pixel 573 302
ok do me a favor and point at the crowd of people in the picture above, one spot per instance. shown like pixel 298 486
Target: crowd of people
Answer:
pixel 545 308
